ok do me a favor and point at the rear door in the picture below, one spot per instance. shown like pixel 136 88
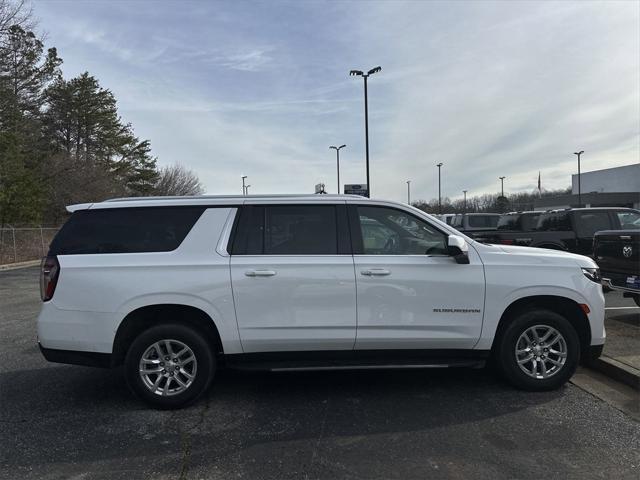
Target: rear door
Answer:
pixel 293 278
pixel 411 293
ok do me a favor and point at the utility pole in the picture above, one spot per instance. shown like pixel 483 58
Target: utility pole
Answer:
pixel 439 190
pixel 360 73
pixel 409 192
pixel 337 149
pixel 579 186
pixel 244 187
pixel 465 201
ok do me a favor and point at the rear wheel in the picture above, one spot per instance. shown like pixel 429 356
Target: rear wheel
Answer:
pixel 636 298
pixel 169 365
pixel 539 350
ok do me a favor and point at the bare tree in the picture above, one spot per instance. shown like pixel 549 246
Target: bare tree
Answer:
pixel 178 180
pixel 15 12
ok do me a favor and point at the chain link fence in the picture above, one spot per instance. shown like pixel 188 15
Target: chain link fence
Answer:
pixel 21 244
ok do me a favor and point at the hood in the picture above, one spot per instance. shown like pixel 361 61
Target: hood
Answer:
pixel 540 255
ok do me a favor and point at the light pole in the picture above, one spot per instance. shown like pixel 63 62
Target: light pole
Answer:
pixel 337 149
pixel 502 185
pixel 360 73
pixel 579 186
pixel 439 190
pixel 244 187
pixel 409 192
pixel 465 201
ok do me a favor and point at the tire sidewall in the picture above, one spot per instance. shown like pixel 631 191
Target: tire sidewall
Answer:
pixel 507 357
pixel 190 337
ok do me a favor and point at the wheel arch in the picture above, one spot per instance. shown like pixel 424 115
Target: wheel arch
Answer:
pixel 567 307
pixel 140 319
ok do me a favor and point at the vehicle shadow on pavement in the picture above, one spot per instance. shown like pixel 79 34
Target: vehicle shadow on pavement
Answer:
pixel 81 414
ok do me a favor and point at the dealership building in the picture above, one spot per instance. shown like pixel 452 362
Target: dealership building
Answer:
pixel 611 187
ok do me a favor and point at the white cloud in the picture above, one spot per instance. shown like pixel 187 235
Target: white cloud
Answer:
pixel 487 88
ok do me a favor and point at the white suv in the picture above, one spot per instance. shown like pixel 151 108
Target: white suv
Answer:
pixel 174 288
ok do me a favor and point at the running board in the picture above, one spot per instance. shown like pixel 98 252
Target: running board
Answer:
pixel 476 364
pixel 356 360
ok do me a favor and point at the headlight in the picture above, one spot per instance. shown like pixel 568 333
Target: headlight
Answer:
pixel 592 274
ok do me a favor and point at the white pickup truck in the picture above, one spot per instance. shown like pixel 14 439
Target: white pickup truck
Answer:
pixel 174 288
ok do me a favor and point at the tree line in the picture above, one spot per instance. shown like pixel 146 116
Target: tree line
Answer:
pixel 488 203
pixel 62 140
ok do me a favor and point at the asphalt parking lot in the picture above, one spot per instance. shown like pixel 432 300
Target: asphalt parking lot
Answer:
pixel 61 421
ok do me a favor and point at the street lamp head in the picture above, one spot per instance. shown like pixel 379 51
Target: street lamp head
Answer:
pixel 244 176
pixel 341 146
pixel 502 178
pixel 439 165
pixel 356 73
pixel 374 70
pixel 579 153
pixel 335 148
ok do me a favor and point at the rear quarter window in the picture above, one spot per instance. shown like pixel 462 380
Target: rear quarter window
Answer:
pixel 125 230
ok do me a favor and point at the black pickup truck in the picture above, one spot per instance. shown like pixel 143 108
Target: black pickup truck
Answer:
pixel 571 229
pixel 617 253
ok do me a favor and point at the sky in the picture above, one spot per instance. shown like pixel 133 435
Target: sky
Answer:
pixel 263 88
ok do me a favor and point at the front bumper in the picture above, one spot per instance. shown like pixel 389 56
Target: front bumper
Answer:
pixel 607 282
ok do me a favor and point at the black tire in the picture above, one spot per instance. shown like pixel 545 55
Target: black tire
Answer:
pixel 636 298
pixel 204 367
pixel 506 350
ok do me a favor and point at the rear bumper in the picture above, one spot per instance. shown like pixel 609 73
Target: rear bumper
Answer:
pixel 72 357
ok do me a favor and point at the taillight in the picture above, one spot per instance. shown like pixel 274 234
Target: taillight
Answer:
pixel 506 241
pixel 49 272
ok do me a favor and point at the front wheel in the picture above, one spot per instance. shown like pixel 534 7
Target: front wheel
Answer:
pixel 539 350
pixel 169 365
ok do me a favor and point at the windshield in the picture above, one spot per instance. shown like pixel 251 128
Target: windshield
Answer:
pixel 629 220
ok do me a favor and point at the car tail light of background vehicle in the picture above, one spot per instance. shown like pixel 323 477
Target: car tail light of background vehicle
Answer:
pixel 49 272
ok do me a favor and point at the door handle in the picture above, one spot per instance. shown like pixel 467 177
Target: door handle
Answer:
pixel 260 273
pixel 376 272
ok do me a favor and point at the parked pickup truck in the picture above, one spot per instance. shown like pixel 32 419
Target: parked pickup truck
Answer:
pixel 511 222
pixel 617 253
pixel 570 230
pixel 475 224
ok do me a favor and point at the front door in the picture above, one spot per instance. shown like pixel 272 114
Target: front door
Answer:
pixel 411 293
pixel 293 278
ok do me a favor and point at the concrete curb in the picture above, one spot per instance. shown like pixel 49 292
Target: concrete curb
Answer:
pixel 15 266
pixel 617 371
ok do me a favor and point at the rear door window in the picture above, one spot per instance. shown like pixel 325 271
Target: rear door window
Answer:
pixel 125 230
pixel 292 230
pixel 554 221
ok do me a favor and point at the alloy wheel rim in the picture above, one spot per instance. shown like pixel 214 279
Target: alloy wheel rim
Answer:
pixel 168 367
pixel 541 351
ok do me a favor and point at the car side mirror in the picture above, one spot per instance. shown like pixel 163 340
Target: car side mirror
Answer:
pixel 458 248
